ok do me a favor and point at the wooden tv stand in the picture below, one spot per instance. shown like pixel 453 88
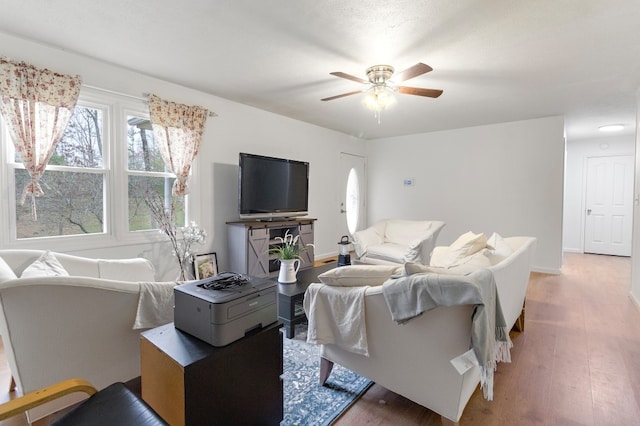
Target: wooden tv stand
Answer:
pixel 249 242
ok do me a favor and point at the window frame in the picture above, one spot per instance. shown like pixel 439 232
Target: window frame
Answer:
pixel 116 107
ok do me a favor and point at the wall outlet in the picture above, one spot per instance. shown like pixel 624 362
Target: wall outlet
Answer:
pixel 408 182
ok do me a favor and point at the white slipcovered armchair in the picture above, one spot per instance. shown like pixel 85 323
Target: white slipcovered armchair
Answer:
pixel 396 241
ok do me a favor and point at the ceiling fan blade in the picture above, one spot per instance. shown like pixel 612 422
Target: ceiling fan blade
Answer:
pixel 341 96
pixel 349 77
pixel 411 72
pixel 431 93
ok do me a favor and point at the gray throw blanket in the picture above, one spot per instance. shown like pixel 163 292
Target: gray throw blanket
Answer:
pixel 410 296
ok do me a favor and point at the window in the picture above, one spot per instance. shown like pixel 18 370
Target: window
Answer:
pixel 147 173
pixel 73 184
pixel 107 159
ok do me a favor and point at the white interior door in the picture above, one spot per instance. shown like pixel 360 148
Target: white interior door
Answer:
pixel 609 205
pixel 352 200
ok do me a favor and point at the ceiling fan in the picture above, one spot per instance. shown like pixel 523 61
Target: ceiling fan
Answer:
pixel 380 83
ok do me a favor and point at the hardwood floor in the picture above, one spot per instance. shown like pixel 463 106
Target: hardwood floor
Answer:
pixel 577 363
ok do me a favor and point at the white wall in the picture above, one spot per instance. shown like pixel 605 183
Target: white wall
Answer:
pixel 506 178
pixel 575 182
pixel 237 128
pixel 635 250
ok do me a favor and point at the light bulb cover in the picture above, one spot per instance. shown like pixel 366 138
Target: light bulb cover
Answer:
pixel 379 98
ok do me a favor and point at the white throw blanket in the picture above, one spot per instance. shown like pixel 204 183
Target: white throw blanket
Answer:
pixel 155 304
pixel 336 316
pixel 410 296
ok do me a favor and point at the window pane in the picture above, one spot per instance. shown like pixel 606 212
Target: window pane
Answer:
pixel 144 154
pixel 143 187
pixel 72 204
pixel 81 145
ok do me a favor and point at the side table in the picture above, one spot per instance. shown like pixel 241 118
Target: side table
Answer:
pixel 291 296
pixel 189 382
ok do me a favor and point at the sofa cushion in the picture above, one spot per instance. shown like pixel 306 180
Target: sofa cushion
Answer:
pixel 391 252
pixel 411 268
pixel 359 275
pixel 45 266
pixel 137 269
pixel 472 263
pixel 443 257
pixel 6 273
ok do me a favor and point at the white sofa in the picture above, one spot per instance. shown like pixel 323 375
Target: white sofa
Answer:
pixel 60 327
pixel 396 241
pixel 413 359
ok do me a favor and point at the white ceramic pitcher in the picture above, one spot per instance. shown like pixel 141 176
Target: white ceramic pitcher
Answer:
pixel 288 270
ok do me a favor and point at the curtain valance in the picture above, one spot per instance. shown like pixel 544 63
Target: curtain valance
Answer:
pixel 20 80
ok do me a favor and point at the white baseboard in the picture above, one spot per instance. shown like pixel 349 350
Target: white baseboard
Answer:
pixel 553 271
pixel 572 250
pixel 322 256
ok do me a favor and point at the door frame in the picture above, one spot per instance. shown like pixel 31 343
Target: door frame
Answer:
pixel 585 178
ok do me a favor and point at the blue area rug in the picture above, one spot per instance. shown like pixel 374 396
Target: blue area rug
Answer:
pixel 305 401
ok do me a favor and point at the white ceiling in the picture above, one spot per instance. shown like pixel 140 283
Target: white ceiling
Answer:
pixel 496 60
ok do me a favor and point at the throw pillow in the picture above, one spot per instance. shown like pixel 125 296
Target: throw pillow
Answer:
pixel 45 266
pixel 469 243
pixel 359 275
pixel 498 248
pixel 6 273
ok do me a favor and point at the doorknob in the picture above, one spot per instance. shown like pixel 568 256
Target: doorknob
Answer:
pixel 588 211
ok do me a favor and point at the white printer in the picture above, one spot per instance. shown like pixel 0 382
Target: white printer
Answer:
pixel 220 315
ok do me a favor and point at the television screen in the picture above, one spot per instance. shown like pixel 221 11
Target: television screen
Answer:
pixel 272 187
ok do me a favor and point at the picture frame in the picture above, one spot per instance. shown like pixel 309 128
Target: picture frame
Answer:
pixel 205 265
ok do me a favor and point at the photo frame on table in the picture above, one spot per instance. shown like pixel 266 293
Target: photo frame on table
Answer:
pixel 205 265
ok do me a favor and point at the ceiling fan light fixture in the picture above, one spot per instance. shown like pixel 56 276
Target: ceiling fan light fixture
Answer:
pixel 379 98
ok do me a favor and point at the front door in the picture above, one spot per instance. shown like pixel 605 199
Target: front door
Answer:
pixel 609 205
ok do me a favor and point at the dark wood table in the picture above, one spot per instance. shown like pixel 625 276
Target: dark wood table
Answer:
pixel 290 297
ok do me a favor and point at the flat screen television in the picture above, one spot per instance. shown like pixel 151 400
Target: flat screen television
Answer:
pixel 270 187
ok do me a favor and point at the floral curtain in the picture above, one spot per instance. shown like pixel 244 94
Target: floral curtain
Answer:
pixel 37 105
pixel 177 129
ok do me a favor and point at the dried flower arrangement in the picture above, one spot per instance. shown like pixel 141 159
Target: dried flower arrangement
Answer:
pixel 182 238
